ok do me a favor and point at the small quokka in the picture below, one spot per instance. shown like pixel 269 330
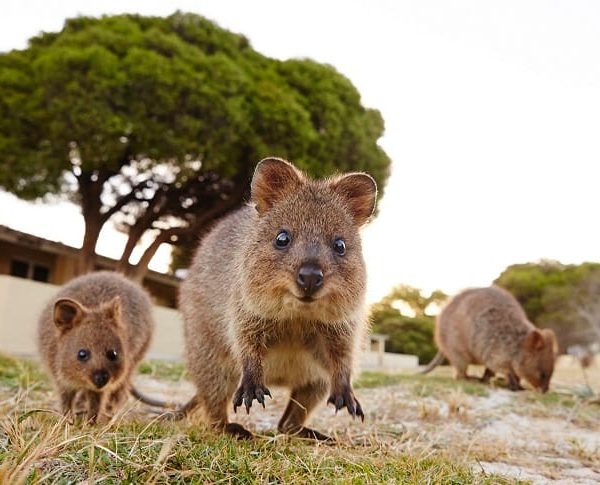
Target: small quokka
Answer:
pixel 276 296
pixel 488 326
pixel 91 337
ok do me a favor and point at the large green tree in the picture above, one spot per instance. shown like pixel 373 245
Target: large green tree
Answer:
pixel 157 123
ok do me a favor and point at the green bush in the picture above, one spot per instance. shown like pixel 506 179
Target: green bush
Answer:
pixel 408 335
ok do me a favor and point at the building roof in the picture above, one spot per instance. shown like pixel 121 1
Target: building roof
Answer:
pixel 52 247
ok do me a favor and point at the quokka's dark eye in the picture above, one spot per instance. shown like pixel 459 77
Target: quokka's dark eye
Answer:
pixel 543 376
pixel 283 240
pixel 339 246
pixel 83 355
pixel 112 355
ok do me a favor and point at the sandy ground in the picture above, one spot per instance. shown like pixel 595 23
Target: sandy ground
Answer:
pixel 511 434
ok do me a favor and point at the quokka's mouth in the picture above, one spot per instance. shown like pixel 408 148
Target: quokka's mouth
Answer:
pixel 306 299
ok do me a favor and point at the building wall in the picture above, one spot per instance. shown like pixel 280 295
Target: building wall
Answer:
pixel 4 258
pixel 22 301
pixel 65 269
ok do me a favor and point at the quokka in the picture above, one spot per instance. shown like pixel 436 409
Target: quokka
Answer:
pixel 488 326
pixel 276 296
pixel 91 337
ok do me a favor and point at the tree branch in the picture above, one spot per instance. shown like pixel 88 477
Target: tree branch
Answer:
pixel 138 271
pixel 123 200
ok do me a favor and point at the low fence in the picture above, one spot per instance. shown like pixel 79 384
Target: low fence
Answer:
pixel 21 302
pixel 387 362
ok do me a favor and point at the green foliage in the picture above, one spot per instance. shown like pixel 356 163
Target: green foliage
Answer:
pixel 407 335
pixel 167 88
pixel 553 294
pixel 413 298
pixel 167 453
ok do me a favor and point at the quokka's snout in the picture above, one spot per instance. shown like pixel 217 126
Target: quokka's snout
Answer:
pixel 310 278
pixel 100 378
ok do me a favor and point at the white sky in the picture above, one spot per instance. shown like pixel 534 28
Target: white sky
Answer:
pixel 492 114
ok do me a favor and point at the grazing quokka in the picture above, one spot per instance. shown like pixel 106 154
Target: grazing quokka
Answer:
pixel 91 337
pixel 487 326
pixel 276 296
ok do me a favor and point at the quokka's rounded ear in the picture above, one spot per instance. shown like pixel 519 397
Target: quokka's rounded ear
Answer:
pixel 359 191
pixel 273 179
pixel 68 313
pixel 113 310
pixel 534 340
pixel 550 338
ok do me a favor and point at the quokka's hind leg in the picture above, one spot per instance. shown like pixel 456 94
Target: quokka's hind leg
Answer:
pixel 302 401
pixel 459 362
pixel 460 369
pixel 216 417
pixel 487 375
pixel 215 414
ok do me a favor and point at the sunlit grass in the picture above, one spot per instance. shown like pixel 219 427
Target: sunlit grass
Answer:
pixel 402 441
pixel 43 447
pixel 422 385
pixel 39 446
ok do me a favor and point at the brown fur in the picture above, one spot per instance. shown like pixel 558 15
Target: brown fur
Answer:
pixel 246 326
pixel 487 326
pixel 99 312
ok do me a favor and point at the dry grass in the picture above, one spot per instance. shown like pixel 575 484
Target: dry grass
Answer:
pixel 419 429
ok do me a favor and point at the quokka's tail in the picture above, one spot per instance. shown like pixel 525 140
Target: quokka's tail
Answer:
pixel 150 401
pixel 179 412
pixel 437 360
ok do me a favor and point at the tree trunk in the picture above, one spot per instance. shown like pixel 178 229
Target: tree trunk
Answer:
pixel 90 190
pixel 137 230
pixel 139 271
pixel 87 255
pixel 134 236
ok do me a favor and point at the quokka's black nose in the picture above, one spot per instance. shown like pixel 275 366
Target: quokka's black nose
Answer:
pixel 309 278
pixel 100 378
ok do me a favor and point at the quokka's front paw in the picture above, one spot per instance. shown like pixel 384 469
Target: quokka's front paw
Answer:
pixel 247 392
pixel 345 398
